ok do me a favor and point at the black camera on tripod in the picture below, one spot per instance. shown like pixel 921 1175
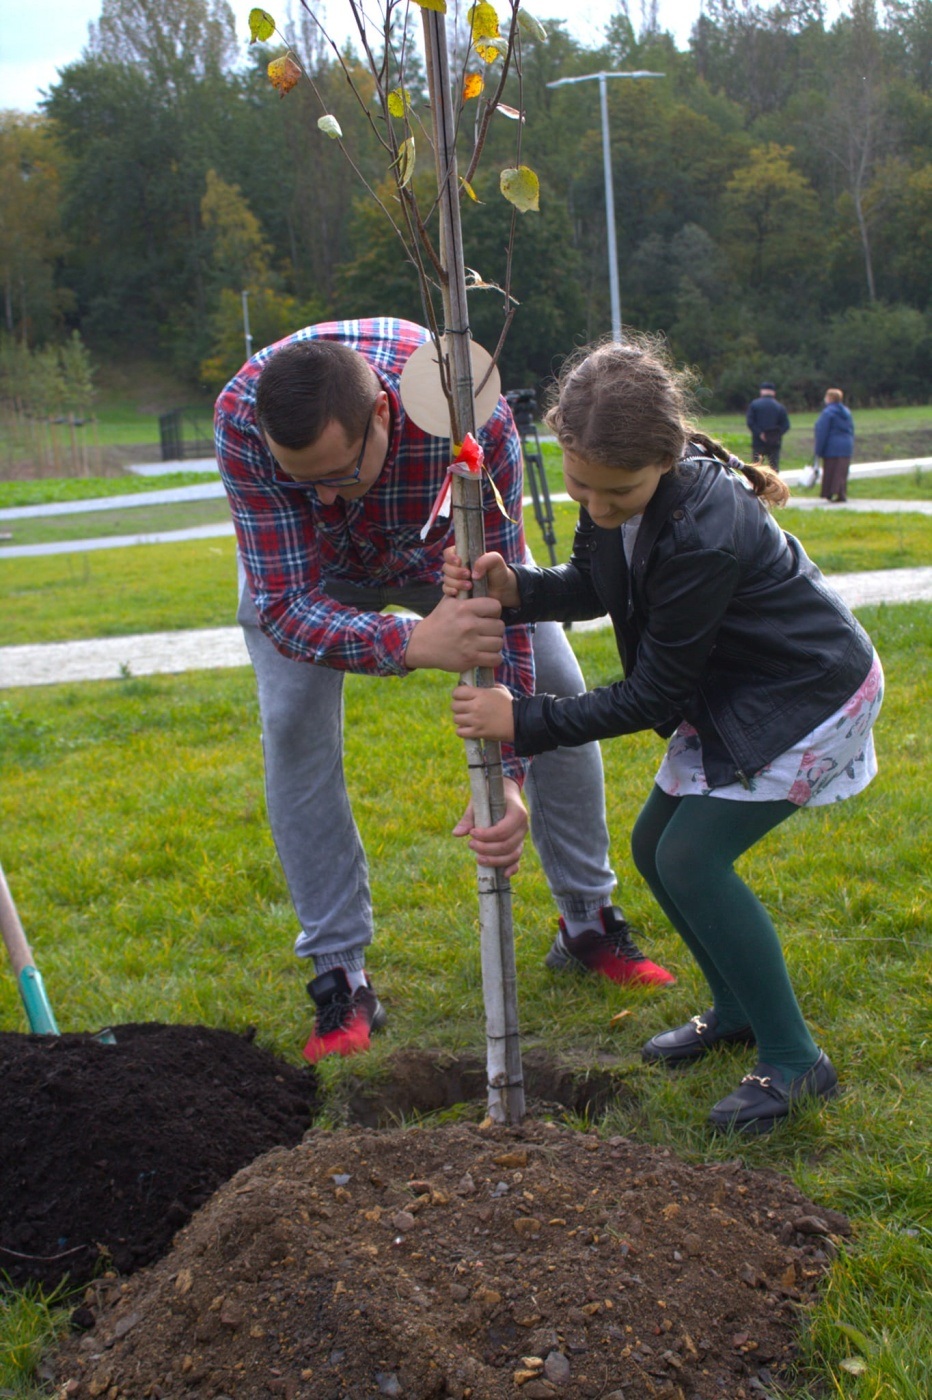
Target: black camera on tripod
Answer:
pixel 523 404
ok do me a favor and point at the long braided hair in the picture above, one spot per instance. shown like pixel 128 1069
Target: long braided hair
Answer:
pixel 625 405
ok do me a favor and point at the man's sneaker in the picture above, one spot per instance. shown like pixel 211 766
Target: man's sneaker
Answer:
pixel 344 1018
pixel 609 949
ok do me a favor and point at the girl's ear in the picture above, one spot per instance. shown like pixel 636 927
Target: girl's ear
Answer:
pixel 667 464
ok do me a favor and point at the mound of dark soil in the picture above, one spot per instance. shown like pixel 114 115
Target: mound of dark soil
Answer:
pixel 105 1150
pixel 460 1261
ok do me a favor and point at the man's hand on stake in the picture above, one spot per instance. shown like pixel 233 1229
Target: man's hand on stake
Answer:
pixel 457 636
pixel 481 713
pixel 501 581
pixel 501 844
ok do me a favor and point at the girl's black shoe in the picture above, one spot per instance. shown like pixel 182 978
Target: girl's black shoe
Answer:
pixel 690 1042
pixel 764 1097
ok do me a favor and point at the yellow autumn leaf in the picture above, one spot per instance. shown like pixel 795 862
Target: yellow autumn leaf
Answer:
pixel 521 187
pixel 483 21
pixel 405 162
pixel 531 26
pixel 398 102
pixel 283 74
pixel 330 127
pixel 440 6
pixel 491 49
pixel 472 85
pixel 261 26
pixel 470 191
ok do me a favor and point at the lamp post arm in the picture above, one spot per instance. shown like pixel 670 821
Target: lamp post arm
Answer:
pixel 611 238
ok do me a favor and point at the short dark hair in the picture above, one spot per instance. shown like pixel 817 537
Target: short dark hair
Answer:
pixel 311 383
pixel 768 384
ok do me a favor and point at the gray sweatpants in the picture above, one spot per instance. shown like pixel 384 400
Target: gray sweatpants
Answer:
pixel 318 844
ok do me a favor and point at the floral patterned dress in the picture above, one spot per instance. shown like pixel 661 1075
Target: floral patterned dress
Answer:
pixel 833 762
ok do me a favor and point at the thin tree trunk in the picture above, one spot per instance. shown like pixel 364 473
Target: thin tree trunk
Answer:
pixel 499 978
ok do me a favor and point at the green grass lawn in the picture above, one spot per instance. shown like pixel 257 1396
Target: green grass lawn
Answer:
pixel 46 490
pixel 192 584
pixel 135 841
pixel 914 485
pixel 152 519
pixel 136 845
pixel 130 520
pixel 881 434
pixel 126 416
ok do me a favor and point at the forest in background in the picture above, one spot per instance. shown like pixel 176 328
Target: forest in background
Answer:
pixel 773 198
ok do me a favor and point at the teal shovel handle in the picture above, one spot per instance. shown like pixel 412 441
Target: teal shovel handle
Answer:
pixel 38 1010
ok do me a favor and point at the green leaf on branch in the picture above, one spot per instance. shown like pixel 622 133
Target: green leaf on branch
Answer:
pixel 530 26
pixel 440 6
pixel 330 127
pixel 398 102
pixel 521 187
pixel 405 162
pixel 283 74
pixel 261 26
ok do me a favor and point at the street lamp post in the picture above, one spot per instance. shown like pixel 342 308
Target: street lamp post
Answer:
pixel 609 189
pixel 247 333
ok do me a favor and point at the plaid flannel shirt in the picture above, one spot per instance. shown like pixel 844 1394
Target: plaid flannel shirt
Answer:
pixel 291 544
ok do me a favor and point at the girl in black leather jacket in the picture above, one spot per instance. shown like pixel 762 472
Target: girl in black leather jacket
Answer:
pixel 736 650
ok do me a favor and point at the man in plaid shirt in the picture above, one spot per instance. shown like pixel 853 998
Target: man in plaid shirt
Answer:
pixel 330 484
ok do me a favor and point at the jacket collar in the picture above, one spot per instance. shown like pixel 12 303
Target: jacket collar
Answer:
pixel 671 491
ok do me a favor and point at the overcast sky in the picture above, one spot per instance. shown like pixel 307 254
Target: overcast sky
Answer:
pixel 38 37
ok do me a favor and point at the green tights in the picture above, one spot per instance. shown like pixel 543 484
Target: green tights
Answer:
pixel 685 847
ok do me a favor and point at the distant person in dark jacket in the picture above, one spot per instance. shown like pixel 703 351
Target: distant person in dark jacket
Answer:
pixel 834 443
pixel 768 421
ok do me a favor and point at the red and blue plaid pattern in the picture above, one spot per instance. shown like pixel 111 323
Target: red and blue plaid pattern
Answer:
pixel 291 544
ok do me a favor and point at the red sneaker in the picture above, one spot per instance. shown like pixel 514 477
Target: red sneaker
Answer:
pixel 609 950
pixel 344 1018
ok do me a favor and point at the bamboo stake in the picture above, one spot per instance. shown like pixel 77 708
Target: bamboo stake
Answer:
pixel 499 978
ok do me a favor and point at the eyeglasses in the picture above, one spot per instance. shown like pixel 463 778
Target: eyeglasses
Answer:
pixel 349 480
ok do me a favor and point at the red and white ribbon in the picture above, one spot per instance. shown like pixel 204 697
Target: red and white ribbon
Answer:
pixel 468 462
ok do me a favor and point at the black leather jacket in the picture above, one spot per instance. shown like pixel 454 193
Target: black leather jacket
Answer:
pixel 722 620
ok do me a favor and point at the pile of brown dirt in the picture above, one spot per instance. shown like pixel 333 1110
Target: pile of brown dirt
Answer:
pixel 465 1262
pixel 107 1149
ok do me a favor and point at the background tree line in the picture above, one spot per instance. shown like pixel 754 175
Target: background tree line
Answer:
pixel 773 197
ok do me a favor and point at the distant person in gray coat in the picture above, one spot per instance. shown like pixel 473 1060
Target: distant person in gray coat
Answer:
pixel 834 443
pixel 768 421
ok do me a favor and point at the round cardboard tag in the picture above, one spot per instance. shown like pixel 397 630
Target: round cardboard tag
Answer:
pixel 422 397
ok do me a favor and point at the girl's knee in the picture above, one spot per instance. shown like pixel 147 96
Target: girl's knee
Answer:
pixel 644 850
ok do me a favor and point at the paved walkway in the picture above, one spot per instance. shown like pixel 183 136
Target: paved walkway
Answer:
pixel 155 653
pixel 223 529
pixel 210 648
